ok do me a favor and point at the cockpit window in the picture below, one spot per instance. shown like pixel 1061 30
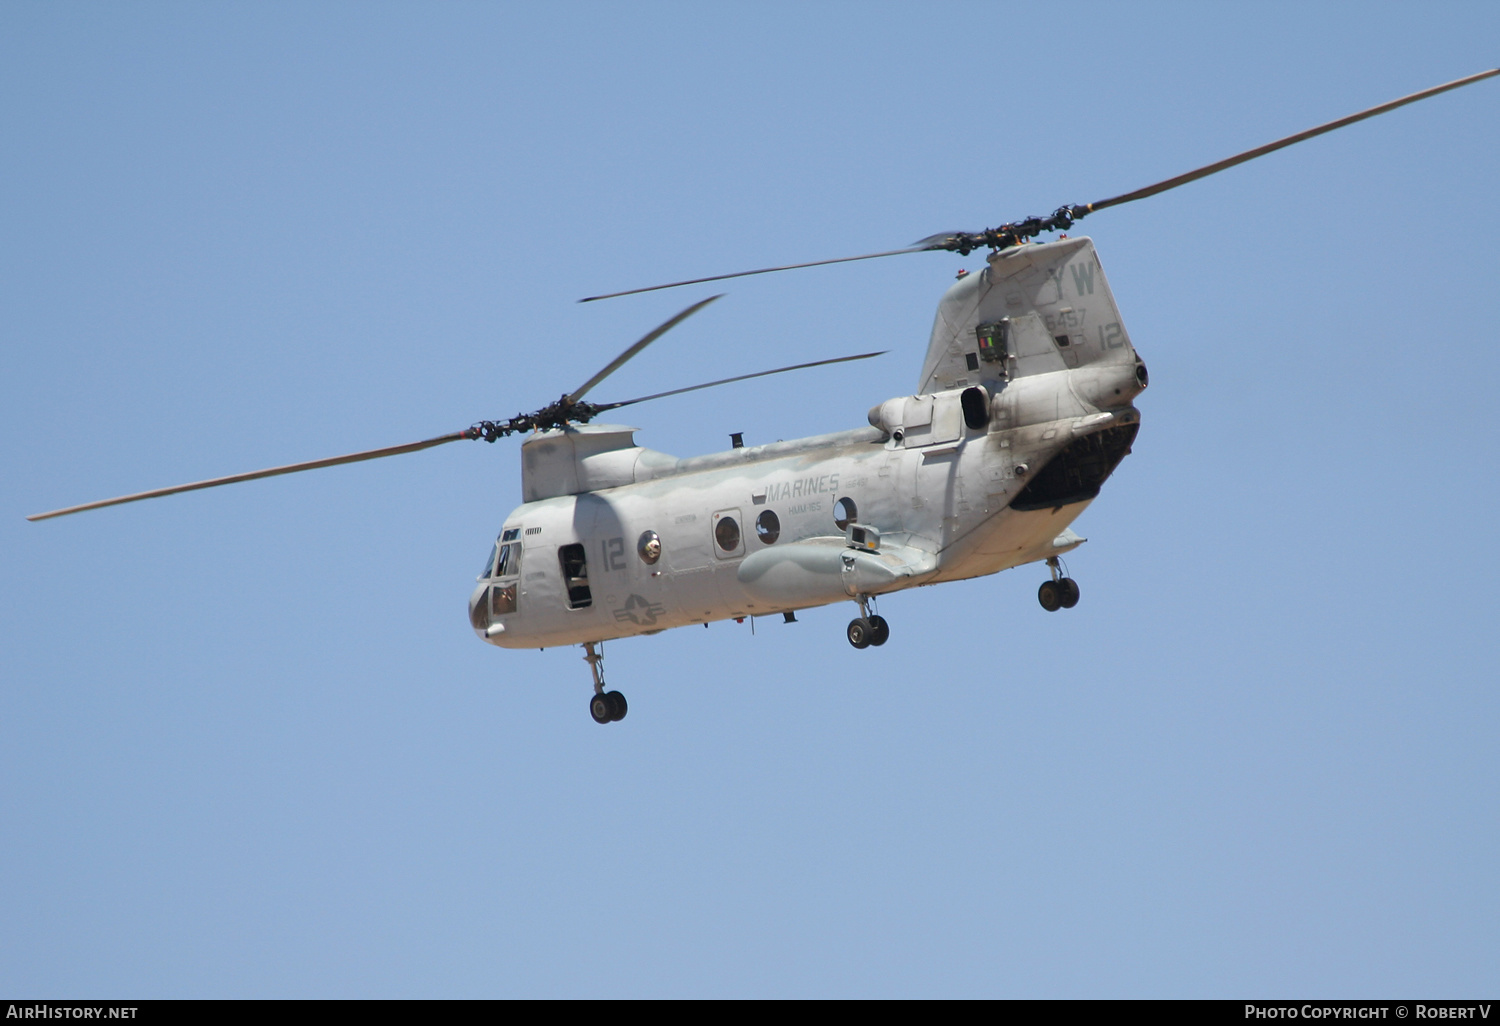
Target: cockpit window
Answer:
pixel 505 557
pixel 509 563
pixel 489 563
pixel 502 599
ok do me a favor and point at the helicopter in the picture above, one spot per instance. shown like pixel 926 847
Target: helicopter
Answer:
pixel 1024 406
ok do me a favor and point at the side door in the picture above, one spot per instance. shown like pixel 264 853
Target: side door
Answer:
pixel 540 592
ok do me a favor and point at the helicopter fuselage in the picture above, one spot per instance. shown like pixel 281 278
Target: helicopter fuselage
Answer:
pixel 791 525
pixel 1024 408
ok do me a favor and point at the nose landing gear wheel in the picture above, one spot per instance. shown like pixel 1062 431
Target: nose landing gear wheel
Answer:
pixel 880 631
pixel 860 632
pixel 604 706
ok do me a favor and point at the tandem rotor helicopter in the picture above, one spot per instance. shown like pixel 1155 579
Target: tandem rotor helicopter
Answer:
pixel 1023 408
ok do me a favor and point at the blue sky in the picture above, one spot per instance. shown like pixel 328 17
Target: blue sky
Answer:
pixel 253 749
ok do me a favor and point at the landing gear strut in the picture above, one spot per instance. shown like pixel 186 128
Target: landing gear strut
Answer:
pixel 1060 592
pixel 605 706
pixel 867 628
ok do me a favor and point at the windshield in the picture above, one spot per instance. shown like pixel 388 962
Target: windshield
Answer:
pixel 489 562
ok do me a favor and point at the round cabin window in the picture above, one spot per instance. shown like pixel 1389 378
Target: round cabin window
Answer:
pixel 845 513
pixel 727 534
pixel 768 527
pixel 649 547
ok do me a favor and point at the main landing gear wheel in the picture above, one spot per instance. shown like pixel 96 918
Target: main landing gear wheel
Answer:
pixel 880 631
pixel 1059 594
pixel 1050 595
pixel 1070 592
pixel 599 709
pixel 861 632
pixel 608 707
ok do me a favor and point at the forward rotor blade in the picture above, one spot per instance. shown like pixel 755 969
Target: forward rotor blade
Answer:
pixel 741 377
pixel 1260 151
pixel 651 337
pixel 746 274
pixel 333 461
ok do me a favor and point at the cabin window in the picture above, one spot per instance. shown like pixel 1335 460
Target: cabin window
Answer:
pixel 729 537
pixel 727 534
pixel 649 548
pixel 768 527
pixel 845 513
pixel 575 571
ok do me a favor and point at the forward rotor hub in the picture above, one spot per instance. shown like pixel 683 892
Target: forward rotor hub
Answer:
pixel 562 412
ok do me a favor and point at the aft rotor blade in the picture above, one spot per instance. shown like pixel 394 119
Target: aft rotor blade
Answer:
pixel 333 461
pixel 1260 151
pixel 741 377
pixel 1016 232
pixel 651 337
pixel 746 274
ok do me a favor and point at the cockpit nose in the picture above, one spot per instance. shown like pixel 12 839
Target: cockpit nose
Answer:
pixel 479 615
